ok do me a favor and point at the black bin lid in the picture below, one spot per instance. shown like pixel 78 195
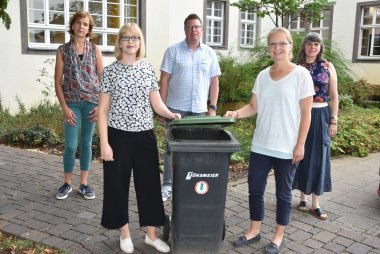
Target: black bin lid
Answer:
pixel 202 122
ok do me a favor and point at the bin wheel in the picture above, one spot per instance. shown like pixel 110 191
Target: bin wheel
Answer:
pixel 224 230
pixel 166 229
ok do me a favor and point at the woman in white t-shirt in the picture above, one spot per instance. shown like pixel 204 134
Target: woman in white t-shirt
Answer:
pixel 282 98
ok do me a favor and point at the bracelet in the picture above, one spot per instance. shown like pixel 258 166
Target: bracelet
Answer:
pixel 237 114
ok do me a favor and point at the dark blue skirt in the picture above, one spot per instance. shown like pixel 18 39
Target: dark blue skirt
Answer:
pixel 314 171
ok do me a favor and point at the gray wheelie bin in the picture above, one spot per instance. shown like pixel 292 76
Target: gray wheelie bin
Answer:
pixel 201 152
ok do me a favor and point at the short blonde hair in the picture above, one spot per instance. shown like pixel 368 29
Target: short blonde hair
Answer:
pixel 288 37
pixel 134 29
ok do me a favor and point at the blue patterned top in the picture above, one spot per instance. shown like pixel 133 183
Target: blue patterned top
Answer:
pixel 320 73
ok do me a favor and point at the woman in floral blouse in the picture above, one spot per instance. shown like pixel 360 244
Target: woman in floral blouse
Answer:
pixel 314 172
pixel 129 90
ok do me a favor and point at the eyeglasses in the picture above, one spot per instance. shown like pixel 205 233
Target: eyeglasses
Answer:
pixel 193 27
pixel 281 44
pixel 128 38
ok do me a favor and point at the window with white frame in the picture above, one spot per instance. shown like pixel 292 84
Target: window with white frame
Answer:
pixel 299 24
pixel 322 26
pixel 215 15
pixel 248 23
pixel 367 38
pixel 48 20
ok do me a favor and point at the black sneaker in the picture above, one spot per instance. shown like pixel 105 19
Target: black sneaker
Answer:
pixel 64 191
pixel 87 191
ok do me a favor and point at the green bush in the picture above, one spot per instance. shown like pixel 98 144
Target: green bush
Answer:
pixel 35 136
pixel 343 67
pixel 358 132
pixel 345 102
pixel 243 131
pixel 236 80
pixel 359 92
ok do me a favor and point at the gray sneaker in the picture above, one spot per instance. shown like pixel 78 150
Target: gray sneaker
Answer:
pixel 87 191
pixel 64 191
pixel 166 192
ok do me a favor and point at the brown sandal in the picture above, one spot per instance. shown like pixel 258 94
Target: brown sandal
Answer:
pixel 319 213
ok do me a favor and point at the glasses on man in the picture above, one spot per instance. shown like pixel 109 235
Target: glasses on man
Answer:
pixel 193 27
pixel 280 44
pixel 130 38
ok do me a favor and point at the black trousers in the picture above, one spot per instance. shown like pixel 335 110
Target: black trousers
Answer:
pixel 137 151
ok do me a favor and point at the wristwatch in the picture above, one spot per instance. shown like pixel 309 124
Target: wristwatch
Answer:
pixel 213 107
pixel 333 120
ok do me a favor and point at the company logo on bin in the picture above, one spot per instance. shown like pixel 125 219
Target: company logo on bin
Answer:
pixel 198 175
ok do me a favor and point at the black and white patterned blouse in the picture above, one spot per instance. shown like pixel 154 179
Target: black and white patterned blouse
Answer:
pixel 129 87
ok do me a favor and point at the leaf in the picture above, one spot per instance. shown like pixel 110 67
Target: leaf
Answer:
pixel 3 15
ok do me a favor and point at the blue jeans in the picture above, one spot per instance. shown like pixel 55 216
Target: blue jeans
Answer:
pixel 168 164
pixel 284 170
pixel 86 129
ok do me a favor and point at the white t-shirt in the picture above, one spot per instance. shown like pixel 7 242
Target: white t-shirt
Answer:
pixel 278 116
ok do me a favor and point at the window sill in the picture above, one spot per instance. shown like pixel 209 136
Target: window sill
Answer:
pixel 366 60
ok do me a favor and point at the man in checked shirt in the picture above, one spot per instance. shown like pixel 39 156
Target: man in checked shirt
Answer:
pixel 189 78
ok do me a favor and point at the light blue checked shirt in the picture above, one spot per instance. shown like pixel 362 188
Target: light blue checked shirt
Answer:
pixel 190 76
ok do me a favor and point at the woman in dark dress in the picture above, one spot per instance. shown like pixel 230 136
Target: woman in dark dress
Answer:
pixel 313 175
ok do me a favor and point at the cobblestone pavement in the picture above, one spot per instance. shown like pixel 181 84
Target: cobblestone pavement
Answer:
pixel 28 208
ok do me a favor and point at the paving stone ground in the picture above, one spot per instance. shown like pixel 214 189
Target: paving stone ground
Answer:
pixel 28 208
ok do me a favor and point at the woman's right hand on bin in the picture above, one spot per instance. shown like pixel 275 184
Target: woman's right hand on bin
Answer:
pixel 106 152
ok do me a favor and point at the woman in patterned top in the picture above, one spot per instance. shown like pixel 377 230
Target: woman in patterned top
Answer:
pixel 314 172
pixel 129 90
pixel 78 69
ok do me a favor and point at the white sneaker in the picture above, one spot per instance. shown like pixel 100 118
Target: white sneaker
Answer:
pixel 160 245
pixel 166 192
pixel 126 245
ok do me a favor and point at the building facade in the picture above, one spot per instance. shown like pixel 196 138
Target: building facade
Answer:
pixel 40 26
